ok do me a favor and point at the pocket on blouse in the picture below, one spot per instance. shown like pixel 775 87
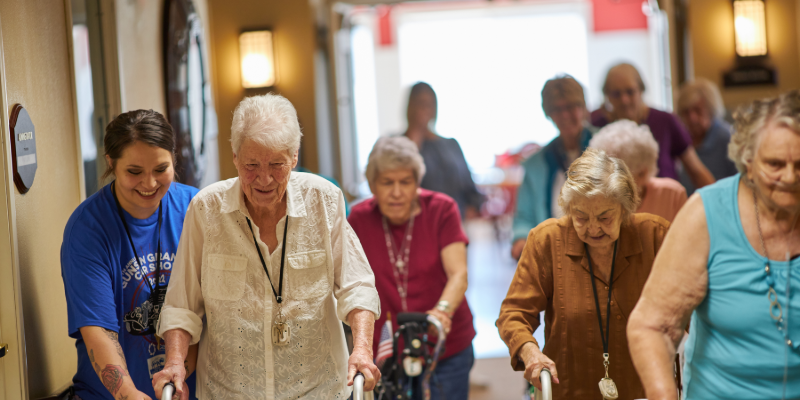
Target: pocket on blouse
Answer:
pixel 225 277
pixel 308 275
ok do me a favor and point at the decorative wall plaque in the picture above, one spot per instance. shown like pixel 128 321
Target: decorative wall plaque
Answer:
pixel 23 148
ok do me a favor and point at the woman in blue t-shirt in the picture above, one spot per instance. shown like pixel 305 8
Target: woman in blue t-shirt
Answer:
pixel 116 260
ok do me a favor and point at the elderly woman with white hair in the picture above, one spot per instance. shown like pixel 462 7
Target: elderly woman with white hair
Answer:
pixel 266 268
pixel 585 270
pixel 701 110
pixel 635 145
pixel 417 248
pixel 727 268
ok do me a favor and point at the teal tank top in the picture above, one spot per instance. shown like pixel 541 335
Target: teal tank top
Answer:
pixel 734 349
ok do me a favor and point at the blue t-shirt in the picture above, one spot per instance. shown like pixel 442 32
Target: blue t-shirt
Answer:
pixel 103 282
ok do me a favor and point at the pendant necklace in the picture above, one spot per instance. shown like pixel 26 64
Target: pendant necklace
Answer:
pixel 775 309
pixel 399 259
pixel 607 386
pixel 281 331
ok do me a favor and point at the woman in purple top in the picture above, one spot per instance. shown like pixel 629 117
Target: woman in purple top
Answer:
pixel 623 89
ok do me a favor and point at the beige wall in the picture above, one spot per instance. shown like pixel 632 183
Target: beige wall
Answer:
pixel 293 27
pixel 711 33
pixel 38 75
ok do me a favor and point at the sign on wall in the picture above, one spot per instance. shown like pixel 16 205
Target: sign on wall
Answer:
pixel 23 148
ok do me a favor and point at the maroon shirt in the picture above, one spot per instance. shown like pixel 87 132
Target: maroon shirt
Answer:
pixel 437 225
pixel 673 139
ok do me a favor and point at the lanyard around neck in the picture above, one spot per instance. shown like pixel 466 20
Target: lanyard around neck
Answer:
pixel 130 240
pixel 278 294
pixel 604 333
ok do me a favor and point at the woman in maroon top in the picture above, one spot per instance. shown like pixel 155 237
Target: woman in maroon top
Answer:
pixel 417 249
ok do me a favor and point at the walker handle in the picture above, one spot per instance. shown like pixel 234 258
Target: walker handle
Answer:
pixel 358 387
pixel 168 391
pixel 547 386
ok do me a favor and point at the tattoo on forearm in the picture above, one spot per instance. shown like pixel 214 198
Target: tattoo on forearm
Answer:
pixel 115 339
pixel 112 377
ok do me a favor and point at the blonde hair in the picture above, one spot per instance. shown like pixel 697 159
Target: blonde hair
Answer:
pixel 701 89
pixel 562 87
pixel 269 119
pixel 394 152
pixel 750 120
pixel 595 173
pixel 632 143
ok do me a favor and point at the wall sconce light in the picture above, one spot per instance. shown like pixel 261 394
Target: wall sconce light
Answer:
pixel 752 66
pixel 750 28
pixel 257 59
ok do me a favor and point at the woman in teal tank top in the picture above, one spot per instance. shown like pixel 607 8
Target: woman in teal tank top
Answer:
pixel 730 264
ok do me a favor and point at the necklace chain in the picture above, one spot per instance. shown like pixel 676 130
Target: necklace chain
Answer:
pixel 772 296
pixel 399 259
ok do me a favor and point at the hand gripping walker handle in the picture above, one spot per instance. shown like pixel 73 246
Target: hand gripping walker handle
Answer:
pixel 358 387
pixel 168 391
pixel 547 386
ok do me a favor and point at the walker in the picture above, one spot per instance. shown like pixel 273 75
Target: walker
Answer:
pixel 419 356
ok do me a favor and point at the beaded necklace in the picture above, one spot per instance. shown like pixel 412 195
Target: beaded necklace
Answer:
pixel 399 259
pixel 775 309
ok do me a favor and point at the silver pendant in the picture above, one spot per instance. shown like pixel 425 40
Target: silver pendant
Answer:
pixel 412 366
pixel 608 389
pixel 281 333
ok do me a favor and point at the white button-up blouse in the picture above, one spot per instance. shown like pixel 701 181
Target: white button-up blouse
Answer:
pixel 220 294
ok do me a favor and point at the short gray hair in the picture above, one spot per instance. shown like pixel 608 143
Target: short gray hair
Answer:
pixel 394 152
pixel 269 119
pixel 701 89
pixel 632 143
pixel 595 173
pixel 750 120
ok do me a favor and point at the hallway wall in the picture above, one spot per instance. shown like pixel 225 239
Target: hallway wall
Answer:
pixel 713 54
pixel 38 76
pixel 293 28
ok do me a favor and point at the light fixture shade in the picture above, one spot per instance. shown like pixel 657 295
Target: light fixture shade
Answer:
pixel 750 28
pixel 257 59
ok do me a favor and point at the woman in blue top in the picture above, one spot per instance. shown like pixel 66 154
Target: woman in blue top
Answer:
pixel 728 263
pixel 116 260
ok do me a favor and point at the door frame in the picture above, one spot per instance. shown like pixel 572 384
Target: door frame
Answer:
pixel 13 367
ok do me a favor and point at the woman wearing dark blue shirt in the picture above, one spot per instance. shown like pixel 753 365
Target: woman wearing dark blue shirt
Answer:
pixel 116 260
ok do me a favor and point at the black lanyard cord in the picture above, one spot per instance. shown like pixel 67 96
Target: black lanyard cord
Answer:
pixel 604 333
pixel 130 240
pixel 279 293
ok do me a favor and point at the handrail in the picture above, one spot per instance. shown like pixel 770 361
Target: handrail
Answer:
pixel 547 386
pixel 358 387
pixel 168 391
pixel 426 379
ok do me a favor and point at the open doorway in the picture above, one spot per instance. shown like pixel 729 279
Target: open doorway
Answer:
pixel 488 62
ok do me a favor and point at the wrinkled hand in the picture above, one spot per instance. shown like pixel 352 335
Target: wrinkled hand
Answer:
pixel 447 323
pixel 361 361
pixel 175 373
pixel 535 361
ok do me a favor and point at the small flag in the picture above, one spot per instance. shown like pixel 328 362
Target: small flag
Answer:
pixel 386 342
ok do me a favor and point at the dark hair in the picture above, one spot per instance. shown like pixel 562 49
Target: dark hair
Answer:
pixel 146 126
pixel 420 88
